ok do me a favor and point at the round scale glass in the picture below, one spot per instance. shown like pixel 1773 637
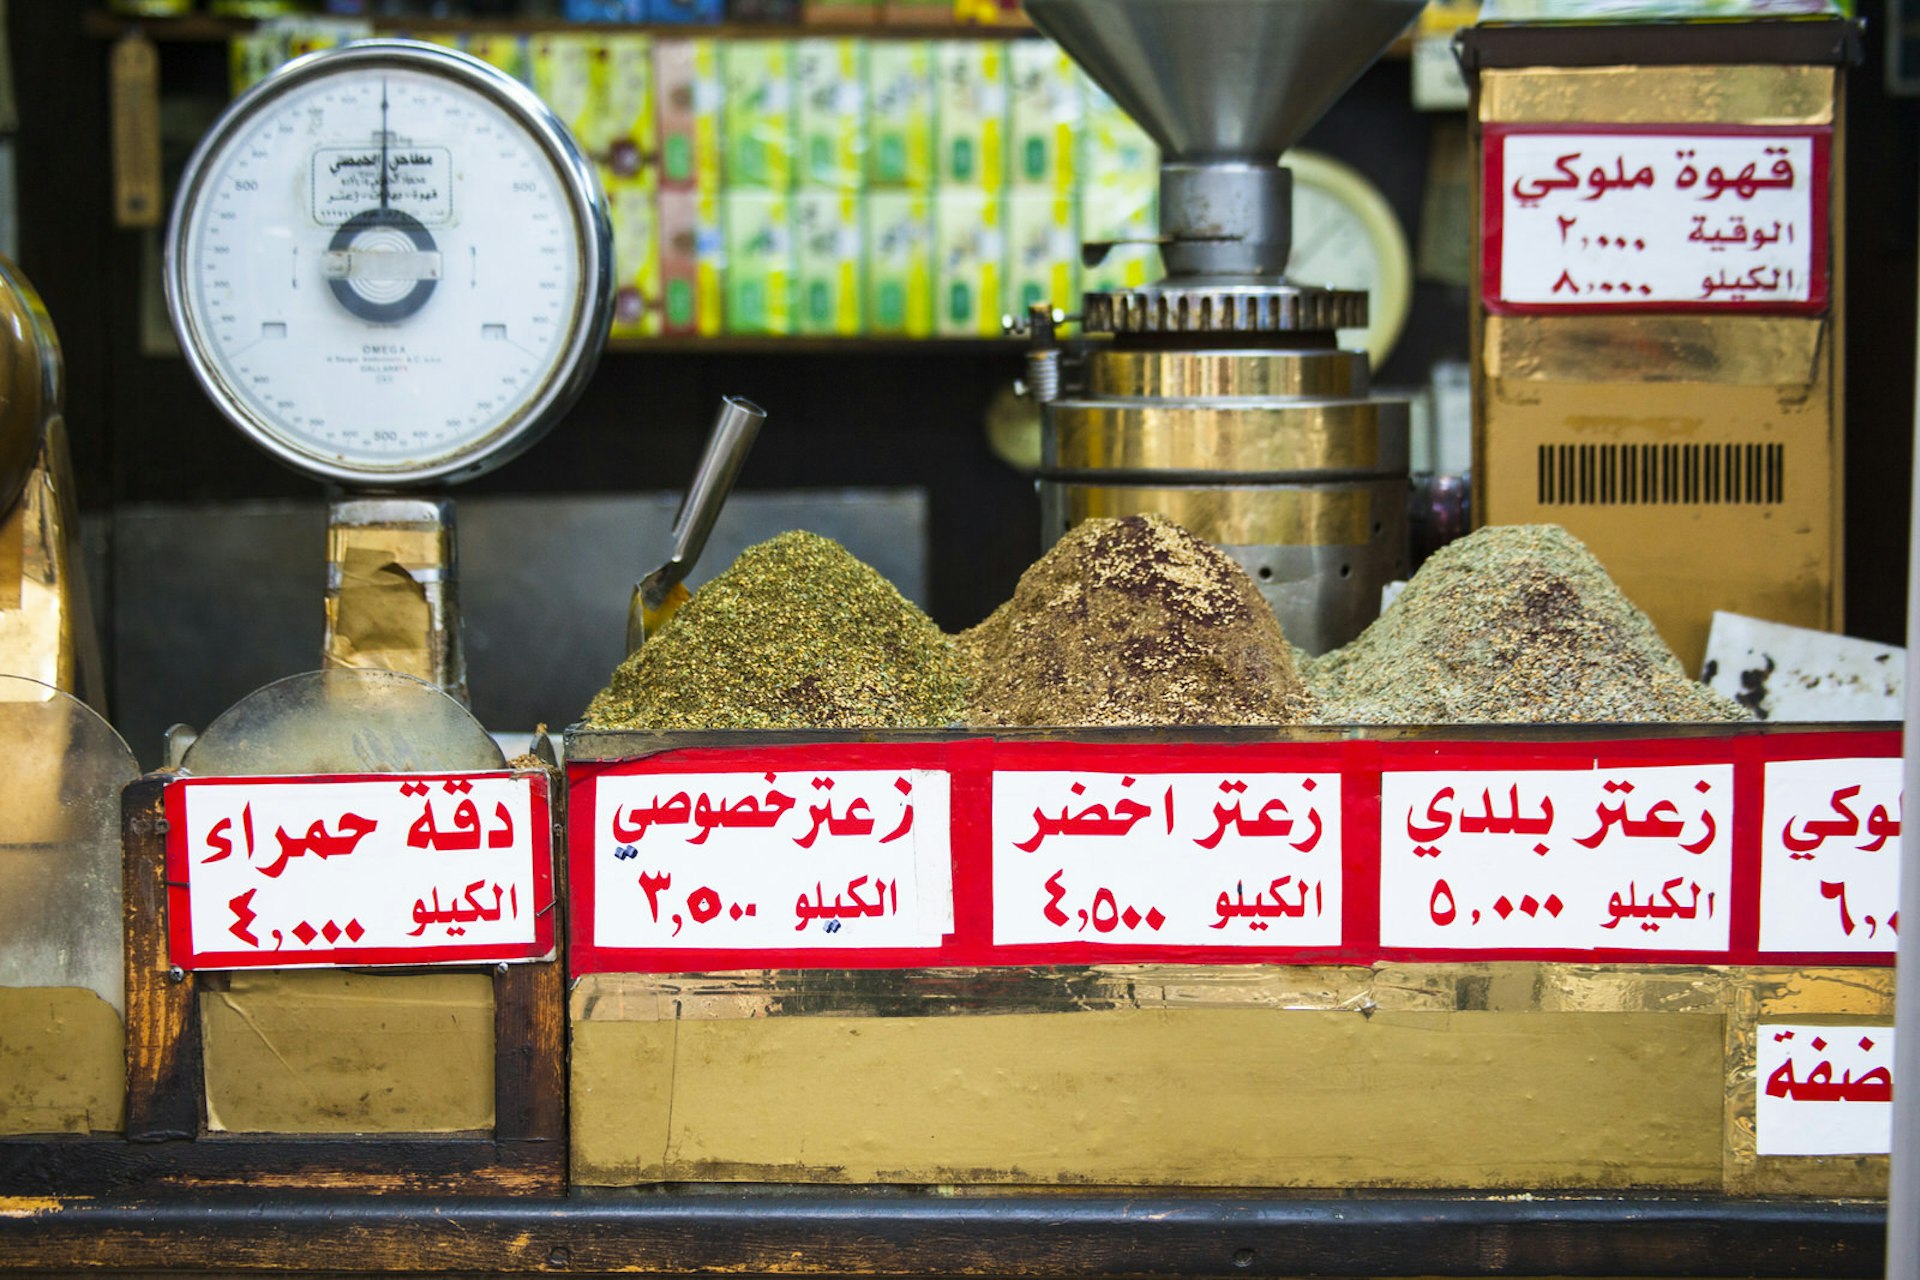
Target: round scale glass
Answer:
pixel 1345 236
pixel 389 263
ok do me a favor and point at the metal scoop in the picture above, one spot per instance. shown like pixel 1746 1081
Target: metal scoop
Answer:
pixel 657 596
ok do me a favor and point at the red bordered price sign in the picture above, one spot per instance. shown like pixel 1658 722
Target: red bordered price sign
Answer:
pixel 1583 218
pixel 374 869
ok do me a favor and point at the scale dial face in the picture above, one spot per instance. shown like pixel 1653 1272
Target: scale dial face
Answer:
pixel 1345 235
pixel 389 264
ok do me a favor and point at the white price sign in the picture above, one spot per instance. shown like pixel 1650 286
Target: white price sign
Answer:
pixel 826 859
pixel 1656 219
pixel 1830 856
pixel 1216 859
pixel 1636 859
pixel 1823 1091
pixel 375 869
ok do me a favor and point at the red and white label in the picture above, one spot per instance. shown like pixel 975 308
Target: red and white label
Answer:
pixel 1227 859
pixel 366 870
pixel 1550 860
pixel 818 859
pixel 979 852
pixel 1830 856
pixel 1655 219
pixel 1823 1090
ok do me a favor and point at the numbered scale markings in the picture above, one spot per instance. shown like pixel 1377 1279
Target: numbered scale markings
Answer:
pixel 389 262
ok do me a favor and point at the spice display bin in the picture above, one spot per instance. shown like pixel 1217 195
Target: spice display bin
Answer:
pixel 1154 981
pixel 440 1081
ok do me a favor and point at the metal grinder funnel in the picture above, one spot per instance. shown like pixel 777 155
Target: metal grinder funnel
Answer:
pixel 1224 86
pixel 1221 400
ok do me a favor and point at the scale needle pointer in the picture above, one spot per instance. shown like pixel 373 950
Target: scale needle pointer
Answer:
pixel 383 142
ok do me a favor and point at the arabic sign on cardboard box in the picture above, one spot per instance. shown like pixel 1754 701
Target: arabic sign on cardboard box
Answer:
pixel 1579 218
pixel 364 870
pixel 976 852
pixel 1823 1090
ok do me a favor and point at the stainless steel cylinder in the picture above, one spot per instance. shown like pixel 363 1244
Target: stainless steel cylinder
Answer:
pixel 1282 459
pixel 1231 218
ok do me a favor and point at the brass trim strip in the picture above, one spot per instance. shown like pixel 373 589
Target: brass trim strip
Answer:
pixel 1333 436
pixel 1659 95
pixel 1731 350
pixel 1270 517
pixel 1332 374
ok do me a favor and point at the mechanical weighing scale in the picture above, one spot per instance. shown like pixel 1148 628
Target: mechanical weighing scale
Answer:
pixel 390 266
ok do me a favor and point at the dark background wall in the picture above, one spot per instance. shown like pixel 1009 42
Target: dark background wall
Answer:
pixel 890 417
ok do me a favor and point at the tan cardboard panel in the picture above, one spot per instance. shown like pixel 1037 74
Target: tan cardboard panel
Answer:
pixel 1787 352
pixel 1775 560
pixel 1249 1097
pixel 63 1065
pixel 1659 95
pixel 339 1052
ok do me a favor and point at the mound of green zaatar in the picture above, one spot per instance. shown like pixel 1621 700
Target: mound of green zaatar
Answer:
pixel 1512 623
pixel 795 634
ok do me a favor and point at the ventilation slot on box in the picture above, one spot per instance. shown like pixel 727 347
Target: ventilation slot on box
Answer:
pixel 1662 474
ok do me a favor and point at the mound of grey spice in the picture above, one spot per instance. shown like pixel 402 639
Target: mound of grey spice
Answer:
pixel 1512 623
pixel 1133 621
pixel 795 634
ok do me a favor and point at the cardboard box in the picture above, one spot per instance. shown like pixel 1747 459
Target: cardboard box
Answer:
pixel 757 110
pixel 899 263
pixel 686 86
pixel 970 114
pixel 970 252
pixel 1043 251
pixel 1112 147
pixel 686 11
pixel 1121 210
pixel 1698 454
pixel 1045 117
pixel 504 50
pixel 691 257
pixel 900 111
pixel 830 93
pixel 637 304
pixel 759 262
pixel 836 12
pixel 561 64
pixel 627 104
pixel 917 13
pixel 828 254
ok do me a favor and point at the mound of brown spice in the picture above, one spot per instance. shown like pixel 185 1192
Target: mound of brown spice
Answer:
pixel 1133 621
pixel 1512 623
pixel 795 634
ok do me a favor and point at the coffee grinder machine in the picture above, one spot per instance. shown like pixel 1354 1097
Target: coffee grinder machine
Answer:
pixel 1218 396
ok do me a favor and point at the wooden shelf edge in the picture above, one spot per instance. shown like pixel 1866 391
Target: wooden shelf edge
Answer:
pixel 822 1232
pixel 736 344
pixel 200 28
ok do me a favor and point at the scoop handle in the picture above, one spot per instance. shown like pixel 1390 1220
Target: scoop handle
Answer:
pixel 727 447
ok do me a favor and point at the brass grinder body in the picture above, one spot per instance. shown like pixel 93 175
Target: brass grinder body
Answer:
pixel 1279 456
pixel 1220 399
